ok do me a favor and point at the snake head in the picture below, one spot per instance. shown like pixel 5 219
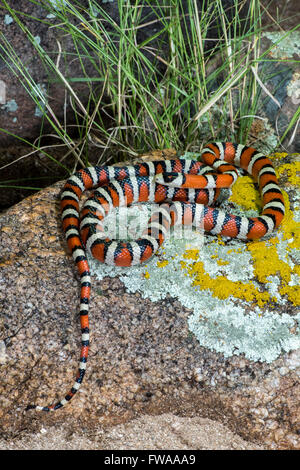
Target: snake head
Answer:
pixel 170 179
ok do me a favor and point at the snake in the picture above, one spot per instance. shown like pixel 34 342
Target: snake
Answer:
pixel 183 192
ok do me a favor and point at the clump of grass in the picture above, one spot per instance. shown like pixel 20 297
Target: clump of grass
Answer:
pixel 150 96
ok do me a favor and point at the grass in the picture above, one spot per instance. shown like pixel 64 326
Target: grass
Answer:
pixel 143 95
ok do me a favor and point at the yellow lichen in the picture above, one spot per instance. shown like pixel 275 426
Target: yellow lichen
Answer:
pixel 289 228
pixel 191 254
pixel 162 264
pixel 292 293
pixel 220 240
pixel 266 260
pixel 246 195
pixel 291 170
pixel 222 262
pixel 279 156
pixel 267 263
pixel 222 287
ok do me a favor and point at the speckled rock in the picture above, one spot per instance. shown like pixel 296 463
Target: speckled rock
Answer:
pixel 19 114
pixel 143 357
pixel 147 432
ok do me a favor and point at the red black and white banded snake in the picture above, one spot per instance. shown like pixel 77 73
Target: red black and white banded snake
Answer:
pixel 189 186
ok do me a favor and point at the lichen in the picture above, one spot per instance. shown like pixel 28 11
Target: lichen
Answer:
pixel 58 4
pixel 40 93
pixel 284 46
pixel 293 88
pixel 10 106
pixel 245 194
pixel 292 171
pixel 237 291
pixel 162 264
pixel 222 287
pixel 8 19
pixel 37 40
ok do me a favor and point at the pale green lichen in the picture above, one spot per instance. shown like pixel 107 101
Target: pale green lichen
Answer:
pixel 8 19
pixel 284 46
pixel 10 106
pixel 58 4
pixel 40 93
pixel 235 290
pixel 37 40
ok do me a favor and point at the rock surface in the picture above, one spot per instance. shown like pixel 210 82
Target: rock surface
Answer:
pixel 143 358
pixel 159 432
pixel 19 114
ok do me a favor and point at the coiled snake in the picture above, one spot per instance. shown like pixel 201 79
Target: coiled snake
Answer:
pixel 191 187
